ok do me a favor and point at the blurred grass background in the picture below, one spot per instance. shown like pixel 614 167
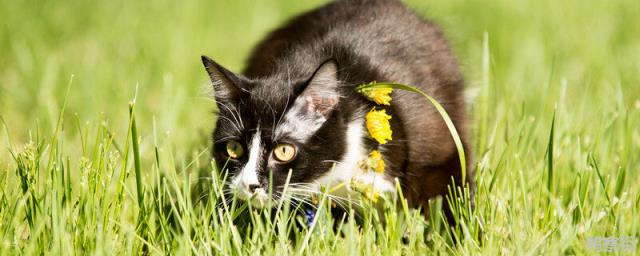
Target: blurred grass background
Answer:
pixel 109 47
pixel 523 60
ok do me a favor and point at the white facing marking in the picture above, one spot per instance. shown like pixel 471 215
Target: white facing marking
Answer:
pixel 297 125
pixel 249 173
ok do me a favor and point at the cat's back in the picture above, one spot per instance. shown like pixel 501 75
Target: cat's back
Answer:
pixel 377 34
pixel 384 41
pixel 375 40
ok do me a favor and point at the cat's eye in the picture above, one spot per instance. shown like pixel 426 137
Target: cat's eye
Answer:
pixel 234 149
pixel 284 152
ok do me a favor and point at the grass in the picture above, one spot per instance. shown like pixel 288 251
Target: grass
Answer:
pixel 555 107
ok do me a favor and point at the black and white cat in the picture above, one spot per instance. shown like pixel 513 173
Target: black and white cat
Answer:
pixel 295 109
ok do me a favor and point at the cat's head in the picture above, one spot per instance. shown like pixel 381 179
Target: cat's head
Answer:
pixel 275 125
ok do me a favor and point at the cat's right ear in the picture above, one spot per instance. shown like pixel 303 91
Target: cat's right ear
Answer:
pixel 225 83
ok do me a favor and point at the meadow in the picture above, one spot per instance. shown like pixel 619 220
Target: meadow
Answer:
pixel 106 115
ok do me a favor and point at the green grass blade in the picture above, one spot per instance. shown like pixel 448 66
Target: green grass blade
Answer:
pixel 550 154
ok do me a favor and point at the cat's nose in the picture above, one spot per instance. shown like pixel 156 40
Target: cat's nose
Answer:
pixel 252 187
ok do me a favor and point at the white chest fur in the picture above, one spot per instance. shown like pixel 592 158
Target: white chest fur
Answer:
pixel 347 169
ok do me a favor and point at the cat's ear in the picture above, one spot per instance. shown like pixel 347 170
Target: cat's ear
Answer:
pixel 321 94
pixel 225 83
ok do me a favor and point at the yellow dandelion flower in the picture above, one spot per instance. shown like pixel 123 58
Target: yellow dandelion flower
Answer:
pixel 380 96
pixel 368 191
pixel 378 125
pixel 371 194
pixel 376 162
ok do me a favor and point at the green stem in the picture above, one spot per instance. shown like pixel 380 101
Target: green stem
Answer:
pixel 439 108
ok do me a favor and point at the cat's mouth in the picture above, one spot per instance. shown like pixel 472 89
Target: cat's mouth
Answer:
pixel 258 198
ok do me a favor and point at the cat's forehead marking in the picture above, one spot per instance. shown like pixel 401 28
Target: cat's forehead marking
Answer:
pixel 299 123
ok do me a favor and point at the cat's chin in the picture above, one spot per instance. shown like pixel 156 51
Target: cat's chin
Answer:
pixel 258 203
pixel 259 199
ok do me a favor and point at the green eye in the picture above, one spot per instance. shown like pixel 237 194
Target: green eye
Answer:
pixel 234 149
pixel 284 152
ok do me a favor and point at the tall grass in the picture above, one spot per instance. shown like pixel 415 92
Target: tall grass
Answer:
pixel 554 103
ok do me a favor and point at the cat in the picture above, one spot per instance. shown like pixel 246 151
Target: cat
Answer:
pixel 294 109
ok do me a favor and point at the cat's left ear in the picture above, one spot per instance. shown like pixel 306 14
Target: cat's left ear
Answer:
pixel 321 94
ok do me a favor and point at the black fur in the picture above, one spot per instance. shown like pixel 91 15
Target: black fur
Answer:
pixel 369 40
